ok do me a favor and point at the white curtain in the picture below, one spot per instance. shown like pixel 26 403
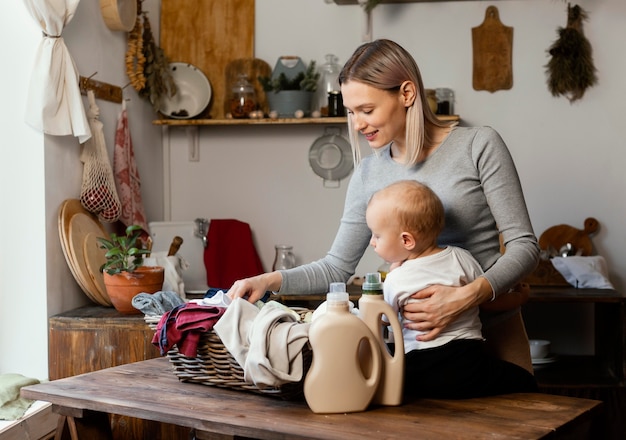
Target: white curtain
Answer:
pixel 54 103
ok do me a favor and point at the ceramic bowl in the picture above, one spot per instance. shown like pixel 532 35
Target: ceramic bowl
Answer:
pixel 193 92
pixel 539 348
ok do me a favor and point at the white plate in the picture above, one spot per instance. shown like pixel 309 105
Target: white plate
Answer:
pixel 193 94
pixel 330 157
pixel 543 361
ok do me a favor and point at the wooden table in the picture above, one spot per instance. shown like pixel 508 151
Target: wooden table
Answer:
pixel 150 390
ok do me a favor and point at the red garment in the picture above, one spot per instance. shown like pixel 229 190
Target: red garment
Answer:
pixel 183 326
pixel 230 253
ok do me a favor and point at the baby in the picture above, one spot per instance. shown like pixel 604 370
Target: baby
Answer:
pixel 405 219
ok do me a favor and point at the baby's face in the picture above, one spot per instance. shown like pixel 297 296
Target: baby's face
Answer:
pixel 386 237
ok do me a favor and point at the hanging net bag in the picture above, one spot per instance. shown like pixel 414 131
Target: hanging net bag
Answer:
pixel 98 193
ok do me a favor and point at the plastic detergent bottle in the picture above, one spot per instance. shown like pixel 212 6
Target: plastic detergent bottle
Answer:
pixel 372 307
pixel 337 381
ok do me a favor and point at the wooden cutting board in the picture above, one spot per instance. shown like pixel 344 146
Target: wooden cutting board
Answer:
pixel 559 235
pixel 80 226
pixel 208 34
pixel 492 44
pixel 94 259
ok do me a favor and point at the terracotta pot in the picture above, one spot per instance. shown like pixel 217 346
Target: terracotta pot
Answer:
pixel 122 287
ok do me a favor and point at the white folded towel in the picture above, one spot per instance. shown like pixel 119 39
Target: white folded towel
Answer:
pixel 584 272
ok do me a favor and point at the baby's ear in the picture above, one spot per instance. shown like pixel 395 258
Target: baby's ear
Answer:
pixel 408 241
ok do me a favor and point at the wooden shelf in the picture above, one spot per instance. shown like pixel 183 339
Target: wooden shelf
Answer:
pixel 268 121
pixel 355 2
pixel 607 367
pixel 264 121
pixel 577 372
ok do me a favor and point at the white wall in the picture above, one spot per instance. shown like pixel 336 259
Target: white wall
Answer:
pixel 38 172
pixel 569 156
pixel 23 319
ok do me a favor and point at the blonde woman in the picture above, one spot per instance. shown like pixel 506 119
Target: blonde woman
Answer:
pixel 471 171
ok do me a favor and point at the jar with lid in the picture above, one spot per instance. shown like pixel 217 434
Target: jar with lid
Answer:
pixel 431 97
pixel 445 101
pixel 243 98
pixel 329 82
pixel 284 258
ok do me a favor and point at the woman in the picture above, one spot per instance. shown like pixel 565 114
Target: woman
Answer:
pixel 471 171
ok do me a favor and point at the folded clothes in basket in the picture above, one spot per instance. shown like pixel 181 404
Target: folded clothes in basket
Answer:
pixel 183 326
pixel 267 342
pixel 157 303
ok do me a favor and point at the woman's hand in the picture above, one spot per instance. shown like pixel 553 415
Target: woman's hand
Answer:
pixel 254 288
pixel 439 305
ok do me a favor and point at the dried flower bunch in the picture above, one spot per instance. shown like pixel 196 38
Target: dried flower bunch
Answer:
pixel 147 65
pixel 571 70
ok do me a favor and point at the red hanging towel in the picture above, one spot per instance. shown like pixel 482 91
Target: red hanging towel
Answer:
pixel 127 175
pixel 230 253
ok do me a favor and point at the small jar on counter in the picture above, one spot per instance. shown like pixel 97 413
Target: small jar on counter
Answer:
pixel 431 97
pixel 335 104
pixel 284 258
pixel 445 101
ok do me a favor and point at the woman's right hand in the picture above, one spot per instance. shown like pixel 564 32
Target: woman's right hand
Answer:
pixel 253 288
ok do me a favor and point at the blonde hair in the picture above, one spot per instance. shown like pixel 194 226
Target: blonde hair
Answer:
pixel 415 207
pixel 385 65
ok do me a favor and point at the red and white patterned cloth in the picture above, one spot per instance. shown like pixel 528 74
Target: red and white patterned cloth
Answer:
pixel 127 175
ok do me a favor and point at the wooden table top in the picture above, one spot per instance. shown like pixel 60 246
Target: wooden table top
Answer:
pixel 150 390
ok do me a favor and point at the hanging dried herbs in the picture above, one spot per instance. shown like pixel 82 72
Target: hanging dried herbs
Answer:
pixel 159 80
pixel 571 70
pixel 147 66
pixel 135 59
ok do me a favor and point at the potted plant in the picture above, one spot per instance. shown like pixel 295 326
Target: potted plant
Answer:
pixel 124 273
pixel 290 88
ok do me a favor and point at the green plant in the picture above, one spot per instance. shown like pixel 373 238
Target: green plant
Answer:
pixel 306 81
pixel 369 5
pixel 123 254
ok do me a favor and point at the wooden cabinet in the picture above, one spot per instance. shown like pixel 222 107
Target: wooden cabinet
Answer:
pixel 93 338
pixel 607 365
pixel 600 375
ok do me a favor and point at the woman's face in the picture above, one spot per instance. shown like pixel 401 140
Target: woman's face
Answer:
pixel 379 115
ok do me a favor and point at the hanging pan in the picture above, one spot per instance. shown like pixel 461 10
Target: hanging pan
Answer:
pixel 330 158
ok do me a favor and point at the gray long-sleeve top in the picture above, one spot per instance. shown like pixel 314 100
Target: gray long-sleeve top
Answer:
pixel 473 174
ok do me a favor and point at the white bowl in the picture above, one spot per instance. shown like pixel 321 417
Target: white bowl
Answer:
pixel 539 348
pixel 193 94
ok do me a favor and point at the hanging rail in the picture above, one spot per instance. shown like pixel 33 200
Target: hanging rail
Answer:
pixel 101 90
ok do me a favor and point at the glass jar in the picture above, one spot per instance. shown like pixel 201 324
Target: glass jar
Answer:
pixel 284 259
pixel 431 97
pixel 445 101
pixel 243 98
pixel 329 82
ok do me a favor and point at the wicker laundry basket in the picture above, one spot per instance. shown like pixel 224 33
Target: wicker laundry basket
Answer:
pixel 215 366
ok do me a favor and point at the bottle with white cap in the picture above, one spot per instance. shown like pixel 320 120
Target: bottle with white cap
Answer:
pixel 338 380
pixel 372 309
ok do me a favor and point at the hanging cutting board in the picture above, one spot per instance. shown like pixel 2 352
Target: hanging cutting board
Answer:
pixel 492 44
pixel 208 34
pixel 559 235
